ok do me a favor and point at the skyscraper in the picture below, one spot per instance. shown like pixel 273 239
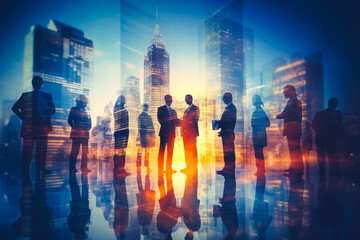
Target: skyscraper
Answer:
pixel 63 57
pixel 224 62
pixel 156 73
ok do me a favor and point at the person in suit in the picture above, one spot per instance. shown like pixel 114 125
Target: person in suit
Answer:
pixel 328 129
pixel 307 145
pixel 35 110
pixel 259 123
pixel 190 203
pixel 121 134
pixel 168 215
pixel 80 123
pixel 79 206
pixel 190 131
pixel 168 120
pixel 146 137
pixel 292 115
pixel 145 203
pixel 227 134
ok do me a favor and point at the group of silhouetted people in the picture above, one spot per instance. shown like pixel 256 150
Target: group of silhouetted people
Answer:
pixel 36 108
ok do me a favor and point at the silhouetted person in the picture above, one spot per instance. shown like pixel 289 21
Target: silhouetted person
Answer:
pixel 145 203
pixel 259 122
pixel 35 110
pixel 330 211
pixel 80 123
pixel 328 128
pixel 121 208
pixel 146 136
pixel 295 206
pixel 35 220
pixel 190 203
pixel 169 213
pixel 227 210
pixel 227 134
pixel 121 134
pixel 292 116
pixel 307 142
pixel 190 131
pixel 79 206
pixel 168 120
pixel 261 216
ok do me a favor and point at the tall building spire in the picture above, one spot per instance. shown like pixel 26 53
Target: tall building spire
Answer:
pixel 157 39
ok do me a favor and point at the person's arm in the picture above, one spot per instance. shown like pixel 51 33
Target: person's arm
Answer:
pixel 267 121
pixel 284 114
pixel 51 107
pixel 16 107
pixel 196 114
pixel 71 118
pixel 160 115
pixel 88 127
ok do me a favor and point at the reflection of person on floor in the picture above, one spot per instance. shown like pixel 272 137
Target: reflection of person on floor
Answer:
pixel 328 128
pixel 35 110
pixel 307 142
pixel 121 134
pixel 261 216
pixel 259 123
pixel 190 203
pixel 146 137
pixel 330 211
pixel 292 116
pixel 227 134
pixel 168 120
pixel 35 219
pixel 121 207
pixel 169 213
pixel 227 210
pixel 79 206
pixel 145 202
pixel 189 132
pixel 80 123
pixel 295 206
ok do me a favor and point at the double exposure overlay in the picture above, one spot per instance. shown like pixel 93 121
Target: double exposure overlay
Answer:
pixel 208 119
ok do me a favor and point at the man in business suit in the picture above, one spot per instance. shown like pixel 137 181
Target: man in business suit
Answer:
pixel 35 110
pixel 292 116
pixel 168 120
pixel 227 134
pixel 189 132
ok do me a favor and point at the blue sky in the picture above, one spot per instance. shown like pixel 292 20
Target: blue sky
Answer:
pixel 281 28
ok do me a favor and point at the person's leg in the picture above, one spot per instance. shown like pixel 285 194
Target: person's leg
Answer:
pixel 296 165
pixel 28 143
pixel 74 153
pixel 85 150
pixel 41 150
pixel 161 154
pixel 139 156
pixel 169 153
pixel 229 152
pixel 147 156
pixel 259 158
pixel 320 149
pixel 187 151
pixel 334 165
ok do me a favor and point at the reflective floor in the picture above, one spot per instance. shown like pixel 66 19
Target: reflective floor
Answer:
pixel 198 205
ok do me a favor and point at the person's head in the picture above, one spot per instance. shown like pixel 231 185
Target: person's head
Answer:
pixel 227 98
pixel 121 100
pixel 37 82
pixel 81 101
pixel 333 103
pixel 256 99
pixel 289 91
pixel 145 107
pixel 168 99
pixel 188 99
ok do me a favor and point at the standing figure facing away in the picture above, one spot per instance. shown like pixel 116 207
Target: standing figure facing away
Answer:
pixel 146 137
pixel 227 134
pixel 80 123
pixel 328 128
pixel 168 120
pixel 292 116
pixel 121 134
pixel 259 123
pixel 35 110
pixel 189 132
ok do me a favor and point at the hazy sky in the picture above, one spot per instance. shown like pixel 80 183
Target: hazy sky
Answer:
pixel 281 28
